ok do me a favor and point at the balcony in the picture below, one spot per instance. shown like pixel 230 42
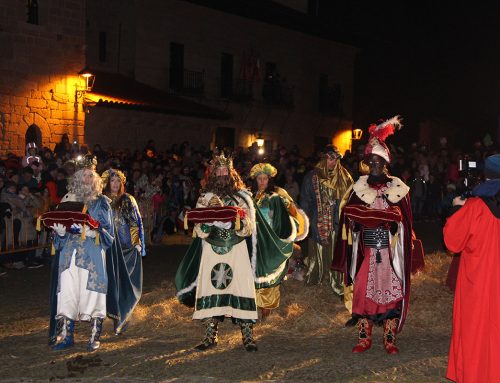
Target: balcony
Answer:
pixel 188 83
pixel 278 94
pixel 237 90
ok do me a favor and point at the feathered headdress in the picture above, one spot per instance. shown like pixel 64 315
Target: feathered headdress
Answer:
pixel 378 135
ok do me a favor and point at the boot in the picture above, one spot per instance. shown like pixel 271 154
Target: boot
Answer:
pixel 390 331
pixel 247 337
pixel 65 337
pixel 365 335
pixel 351 322
pixel 120 330
pixel 95 334
pixel 211 332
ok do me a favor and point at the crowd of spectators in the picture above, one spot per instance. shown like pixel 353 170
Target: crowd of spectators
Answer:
pixel 166 182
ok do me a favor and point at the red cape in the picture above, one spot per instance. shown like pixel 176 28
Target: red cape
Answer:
pixel 474 355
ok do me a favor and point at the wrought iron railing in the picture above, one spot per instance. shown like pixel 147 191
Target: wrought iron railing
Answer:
pixel 238 90
pixel 188 82
pixel 278 94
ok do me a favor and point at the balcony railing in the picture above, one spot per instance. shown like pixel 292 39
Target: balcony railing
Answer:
pixel 278 95
pixel 187 82
pixel 237 90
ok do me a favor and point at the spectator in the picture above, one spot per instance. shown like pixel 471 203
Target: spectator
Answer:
pixel 63 147
pixel 31 155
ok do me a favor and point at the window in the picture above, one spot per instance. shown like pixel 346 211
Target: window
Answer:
pixel 226 75
pixel 313 7
pixel 102 47
pixel 176 66
pixel 33 11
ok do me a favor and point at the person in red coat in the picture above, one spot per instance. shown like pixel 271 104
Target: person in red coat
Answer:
pixel 375 250
pixel 474 231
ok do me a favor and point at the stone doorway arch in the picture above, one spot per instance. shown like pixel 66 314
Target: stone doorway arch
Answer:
pixel 33 134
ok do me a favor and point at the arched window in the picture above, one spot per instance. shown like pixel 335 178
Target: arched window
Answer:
pixel 33 134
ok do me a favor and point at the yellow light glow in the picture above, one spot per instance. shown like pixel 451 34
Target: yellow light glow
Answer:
pixel 260 142
pixel 261 151
pixel 342 140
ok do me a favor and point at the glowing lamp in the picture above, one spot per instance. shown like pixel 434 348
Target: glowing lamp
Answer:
pixel 89 78
pixel 356 134
pixel 260 140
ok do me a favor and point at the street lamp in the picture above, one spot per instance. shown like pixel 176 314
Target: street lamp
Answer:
pixel 260 144
pixel 260 140
pixel 356 134
pixel 88 77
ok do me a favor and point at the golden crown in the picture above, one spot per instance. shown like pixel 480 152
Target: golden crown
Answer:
pixel 85 162
pixel 222 161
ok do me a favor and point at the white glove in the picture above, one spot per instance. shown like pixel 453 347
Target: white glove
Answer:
pixel 139 248
pixel 76 228
pixel 89 232
pixel 59 228
pixel 222 225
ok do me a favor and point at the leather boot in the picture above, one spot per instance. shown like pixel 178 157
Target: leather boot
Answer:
pixel 95 334
pixel 390 331
pixel 65 337
pixel 211 331
pixel 364 335
pixel 247 337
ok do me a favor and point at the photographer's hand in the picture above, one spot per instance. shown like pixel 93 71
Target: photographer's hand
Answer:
pixel 458 201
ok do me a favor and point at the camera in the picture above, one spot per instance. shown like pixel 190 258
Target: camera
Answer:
pixel 467 166
pixel 469 170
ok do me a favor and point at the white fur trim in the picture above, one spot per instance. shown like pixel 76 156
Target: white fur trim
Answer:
pixel 306 225
pixel 69 197
pixel 395 192
pixel 270 277
pixel 187 289
pixel 248 199
pixel 293 234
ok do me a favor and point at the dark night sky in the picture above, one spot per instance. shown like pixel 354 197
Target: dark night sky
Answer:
pixel 424 61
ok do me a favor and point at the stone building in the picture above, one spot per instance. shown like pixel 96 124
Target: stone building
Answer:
pixel 42 45
pixel 267 68
pixel 172 70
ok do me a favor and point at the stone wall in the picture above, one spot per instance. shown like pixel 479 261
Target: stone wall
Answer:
pixel 120 129
pixel 39 69
pixel 206 34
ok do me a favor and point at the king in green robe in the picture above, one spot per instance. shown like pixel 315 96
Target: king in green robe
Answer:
pixel 223 266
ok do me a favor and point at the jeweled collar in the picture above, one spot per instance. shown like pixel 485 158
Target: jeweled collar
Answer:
pixel 396 190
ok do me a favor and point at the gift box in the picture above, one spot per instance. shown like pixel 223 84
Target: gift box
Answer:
pixel 67 214
pixel 212 214
pixel 373 217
